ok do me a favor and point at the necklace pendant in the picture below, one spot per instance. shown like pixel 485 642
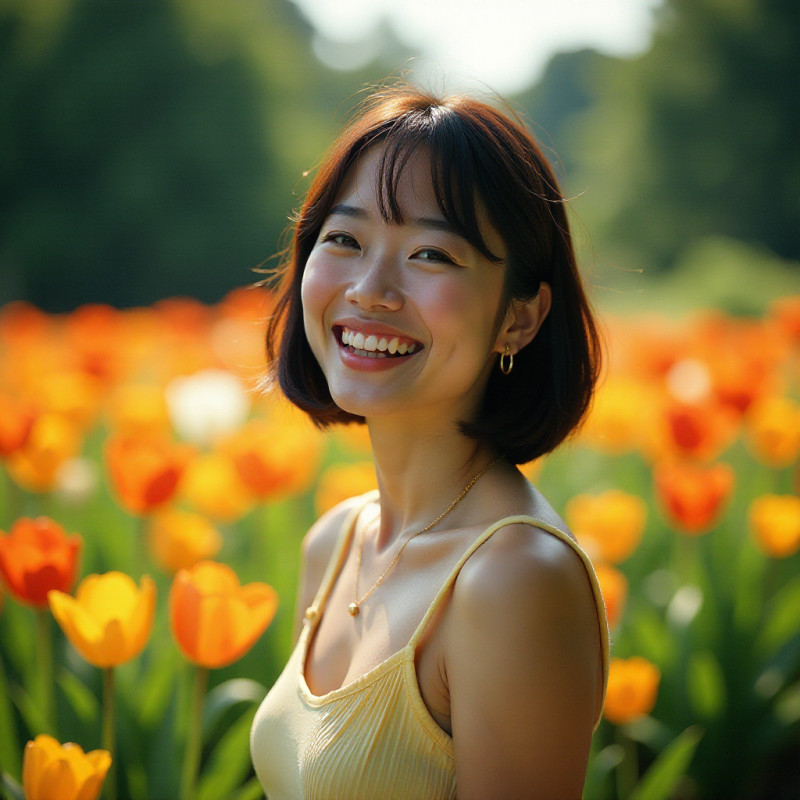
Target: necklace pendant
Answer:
pixel 353 609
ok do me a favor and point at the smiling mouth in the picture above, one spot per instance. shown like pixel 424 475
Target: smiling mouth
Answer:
pixel 371 345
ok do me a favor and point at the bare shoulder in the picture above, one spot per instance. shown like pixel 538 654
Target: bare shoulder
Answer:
pixel 523 660
pixel 318 548
pixel 523 564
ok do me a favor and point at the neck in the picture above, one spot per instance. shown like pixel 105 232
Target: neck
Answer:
pixel 420 472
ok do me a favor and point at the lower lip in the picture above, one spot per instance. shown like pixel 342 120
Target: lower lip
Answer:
pixel 366 364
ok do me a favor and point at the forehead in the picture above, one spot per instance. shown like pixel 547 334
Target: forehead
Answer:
pixel 369 181
pixel 399 188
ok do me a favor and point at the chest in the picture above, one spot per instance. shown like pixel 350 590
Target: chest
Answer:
pixel 408 609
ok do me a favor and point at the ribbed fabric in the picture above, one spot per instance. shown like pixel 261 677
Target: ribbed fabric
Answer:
pixel 374 737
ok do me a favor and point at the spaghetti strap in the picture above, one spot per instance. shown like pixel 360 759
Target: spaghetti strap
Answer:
pixel 339 553
pixel 602 620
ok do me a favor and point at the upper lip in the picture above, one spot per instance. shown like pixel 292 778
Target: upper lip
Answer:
pixel 378 329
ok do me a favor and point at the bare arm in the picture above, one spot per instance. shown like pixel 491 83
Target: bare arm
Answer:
pixel 523 661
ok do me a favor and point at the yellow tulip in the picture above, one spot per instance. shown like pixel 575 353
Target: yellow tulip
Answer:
pixel 775 524
pixel 51 770
pixel 213 487
pixel 178 539
pixel 609 525
pixel 341 481
pixel 109 619
pixel 773 430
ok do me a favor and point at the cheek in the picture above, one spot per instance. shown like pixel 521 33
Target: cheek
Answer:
pixel 315 294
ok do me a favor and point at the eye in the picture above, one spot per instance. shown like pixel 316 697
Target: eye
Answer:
pixel 433 254
pixel 341 239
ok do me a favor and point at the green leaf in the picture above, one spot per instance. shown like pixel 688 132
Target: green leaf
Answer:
pixel 666 771
pixel 706 684
pixel 80 697
pixel 10 789
pixel 230 761
pixel 227 695
pixel 250 791
pixel 782 619
pixel 10 758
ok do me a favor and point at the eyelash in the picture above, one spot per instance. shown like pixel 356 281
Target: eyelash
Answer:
pixel 346 240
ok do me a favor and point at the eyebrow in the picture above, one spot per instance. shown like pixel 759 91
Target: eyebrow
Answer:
pixel 433 223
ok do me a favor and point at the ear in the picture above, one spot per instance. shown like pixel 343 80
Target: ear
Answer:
pixel 523 320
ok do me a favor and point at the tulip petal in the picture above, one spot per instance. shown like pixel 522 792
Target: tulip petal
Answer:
pixel 184 614
pixel 262 602
pixel 140 623
pixel 112 649
pixel 224 631
pixel 112 595
pixel 90 789
pixel 57 781
pixel 100 761
pixel 66 610
pixel 37 754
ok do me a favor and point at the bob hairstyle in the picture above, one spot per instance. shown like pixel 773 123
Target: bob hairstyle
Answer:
pixel 478 156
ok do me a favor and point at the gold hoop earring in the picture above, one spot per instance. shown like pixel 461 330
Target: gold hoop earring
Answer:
pixel 506 365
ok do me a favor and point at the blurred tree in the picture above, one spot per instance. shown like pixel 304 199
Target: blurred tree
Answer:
pixel 698 136
pixel 152 148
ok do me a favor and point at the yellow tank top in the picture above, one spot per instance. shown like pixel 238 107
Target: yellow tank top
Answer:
pixel 374 737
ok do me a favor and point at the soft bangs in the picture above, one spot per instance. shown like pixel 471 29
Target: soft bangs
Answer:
pixel 438 132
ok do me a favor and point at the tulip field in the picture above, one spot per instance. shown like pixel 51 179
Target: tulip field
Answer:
pixel 154 493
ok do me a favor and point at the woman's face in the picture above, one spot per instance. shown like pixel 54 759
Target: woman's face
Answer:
pixel 403 319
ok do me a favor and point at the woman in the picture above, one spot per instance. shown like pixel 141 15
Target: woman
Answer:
pixel 454 641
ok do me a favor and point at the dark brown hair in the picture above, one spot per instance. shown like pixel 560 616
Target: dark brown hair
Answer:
pixel 477 155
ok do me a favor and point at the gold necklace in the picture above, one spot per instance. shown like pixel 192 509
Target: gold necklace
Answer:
pixel 355 606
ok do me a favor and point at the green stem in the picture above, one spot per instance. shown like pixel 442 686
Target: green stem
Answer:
pixel 194 738
pixel 628 769
pixel 141 546
pixel 44 647
pixel 109 732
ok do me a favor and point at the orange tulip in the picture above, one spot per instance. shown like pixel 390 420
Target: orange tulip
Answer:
pixel 609 525
pixel 614 588
pixel 775 523
pixel 139 409
pixel 212 485
pixel 786 313
pixel 275 457
pixel 693 497
pixel 16 421
pixel 51 770
pixel 179 539
pixel 632 689
pixel 109 620
pixel 341 481
pixel 69 393
pixel 38 556
pixel 699 431
pixel 145 471
pixel 611 427
pixel 214 619
pixel 52 441
pixel 773 431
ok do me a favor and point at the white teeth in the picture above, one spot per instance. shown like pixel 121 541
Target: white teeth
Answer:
pixel 370 345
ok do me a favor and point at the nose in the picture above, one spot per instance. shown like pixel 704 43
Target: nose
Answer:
pixel 374 288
